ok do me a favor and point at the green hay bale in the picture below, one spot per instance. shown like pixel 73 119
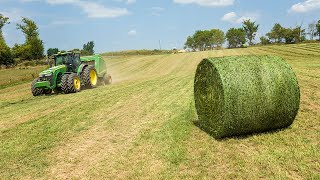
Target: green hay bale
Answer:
pixel 240 95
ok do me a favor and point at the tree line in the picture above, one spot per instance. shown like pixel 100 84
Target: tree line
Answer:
pixel 86 51
pixel 32 48
pixel 238 37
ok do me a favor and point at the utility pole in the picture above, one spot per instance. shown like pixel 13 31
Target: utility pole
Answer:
pixel 160 45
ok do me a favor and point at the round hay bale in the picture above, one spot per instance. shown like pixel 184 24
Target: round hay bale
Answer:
pixel 240 95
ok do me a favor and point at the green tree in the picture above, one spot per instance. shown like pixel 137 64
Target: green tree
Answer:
pixel 202 39
pixel 288 35
pixel 236 37
pixel 264 40
pixel 294 35
pixel 299 34
pixel 190 43
pixel 33 46
pixel 318 29
pixel 251 29
pixel 6 57
pixel 217 38
pixel 88 48
pixel 205 39
pixel 23 52
pixel 29 28
pixel 276 33
pixel 312 30
pixel 3 21
pixel 52 51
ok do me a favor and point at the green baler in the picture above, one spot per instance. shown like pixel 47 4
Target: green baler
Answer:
pixel 71 73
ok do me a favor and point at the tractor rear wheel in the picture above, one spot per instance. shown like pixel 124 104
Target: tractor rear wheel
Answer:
pixel 74 83
pixel 107 79
pixel 90 77
pixel 36 91
pixel 64 83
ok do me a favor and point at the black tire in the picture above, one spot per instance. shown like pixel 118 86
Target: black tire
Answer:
pixel 57 90
pixel 72 87
pixel 85 76
pixel 36 91
pixel 47 92
pixel 107 79
pixel 64 83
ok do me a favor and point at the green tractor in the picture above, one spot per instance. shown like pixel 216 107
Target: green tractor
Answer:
pixel 70 74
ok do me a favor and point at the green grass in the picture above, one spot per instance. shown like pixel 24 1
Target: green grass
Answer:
pixel 141 126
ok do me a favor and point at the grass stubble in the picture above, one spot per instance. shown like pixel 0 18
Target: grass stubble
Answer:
pixel 142 126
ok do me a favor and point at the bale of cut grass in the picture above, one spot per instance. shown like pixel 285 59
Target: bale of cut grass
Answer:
pixel 240 95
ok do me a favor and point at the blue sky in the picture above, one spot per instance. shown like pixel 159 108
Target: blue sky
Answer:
pixel 140 24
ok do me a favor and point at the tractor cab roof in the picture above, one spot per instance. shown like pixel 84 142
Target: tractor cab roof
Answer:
pixel 66 53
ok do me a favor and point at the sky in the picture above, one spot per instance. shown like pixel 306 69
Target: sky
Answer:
pixel 146 24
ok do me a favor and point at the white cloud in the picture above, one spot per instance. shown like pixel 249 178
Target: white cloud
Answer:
pixel 95 10
pixel 232 17
pixel 92 9
pixel 306 6
pixel 212 3
pixel 132 32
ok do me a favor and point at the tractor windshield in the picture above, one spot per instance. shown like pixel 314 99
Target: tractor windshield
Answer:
pixel 60 60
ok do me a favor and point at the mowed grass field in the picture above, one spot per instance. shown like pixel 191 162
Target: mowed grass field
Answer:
pixel 19 75
pixel 141 126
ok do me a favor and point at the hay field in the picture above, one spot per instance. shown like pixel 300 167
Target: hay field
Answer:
pixel 141 126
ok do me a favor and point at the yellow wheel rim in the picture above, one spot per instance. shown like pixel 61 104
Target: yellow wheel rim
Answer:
pixel 77 83
pixel 93 77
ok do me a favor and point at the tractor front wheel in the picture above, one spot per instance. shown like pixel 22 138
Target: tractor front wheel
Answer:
pixel 64 83
pixel 36 91
pixel 74 83
pixel 90 77
pixel 47 92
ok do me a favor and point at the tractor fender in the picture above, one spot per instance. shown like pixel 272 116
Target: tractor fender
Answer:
pixel 80 69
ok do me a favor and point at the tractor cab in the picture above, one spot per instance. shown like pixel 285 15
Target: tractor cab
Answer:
pixel 70 59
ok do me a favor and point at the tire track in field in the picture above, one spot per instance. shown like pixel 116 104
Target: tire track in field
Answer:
pixel 107 140
pixel 38 133
pixel 15 92
pixel 137 160
pixel 37 107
